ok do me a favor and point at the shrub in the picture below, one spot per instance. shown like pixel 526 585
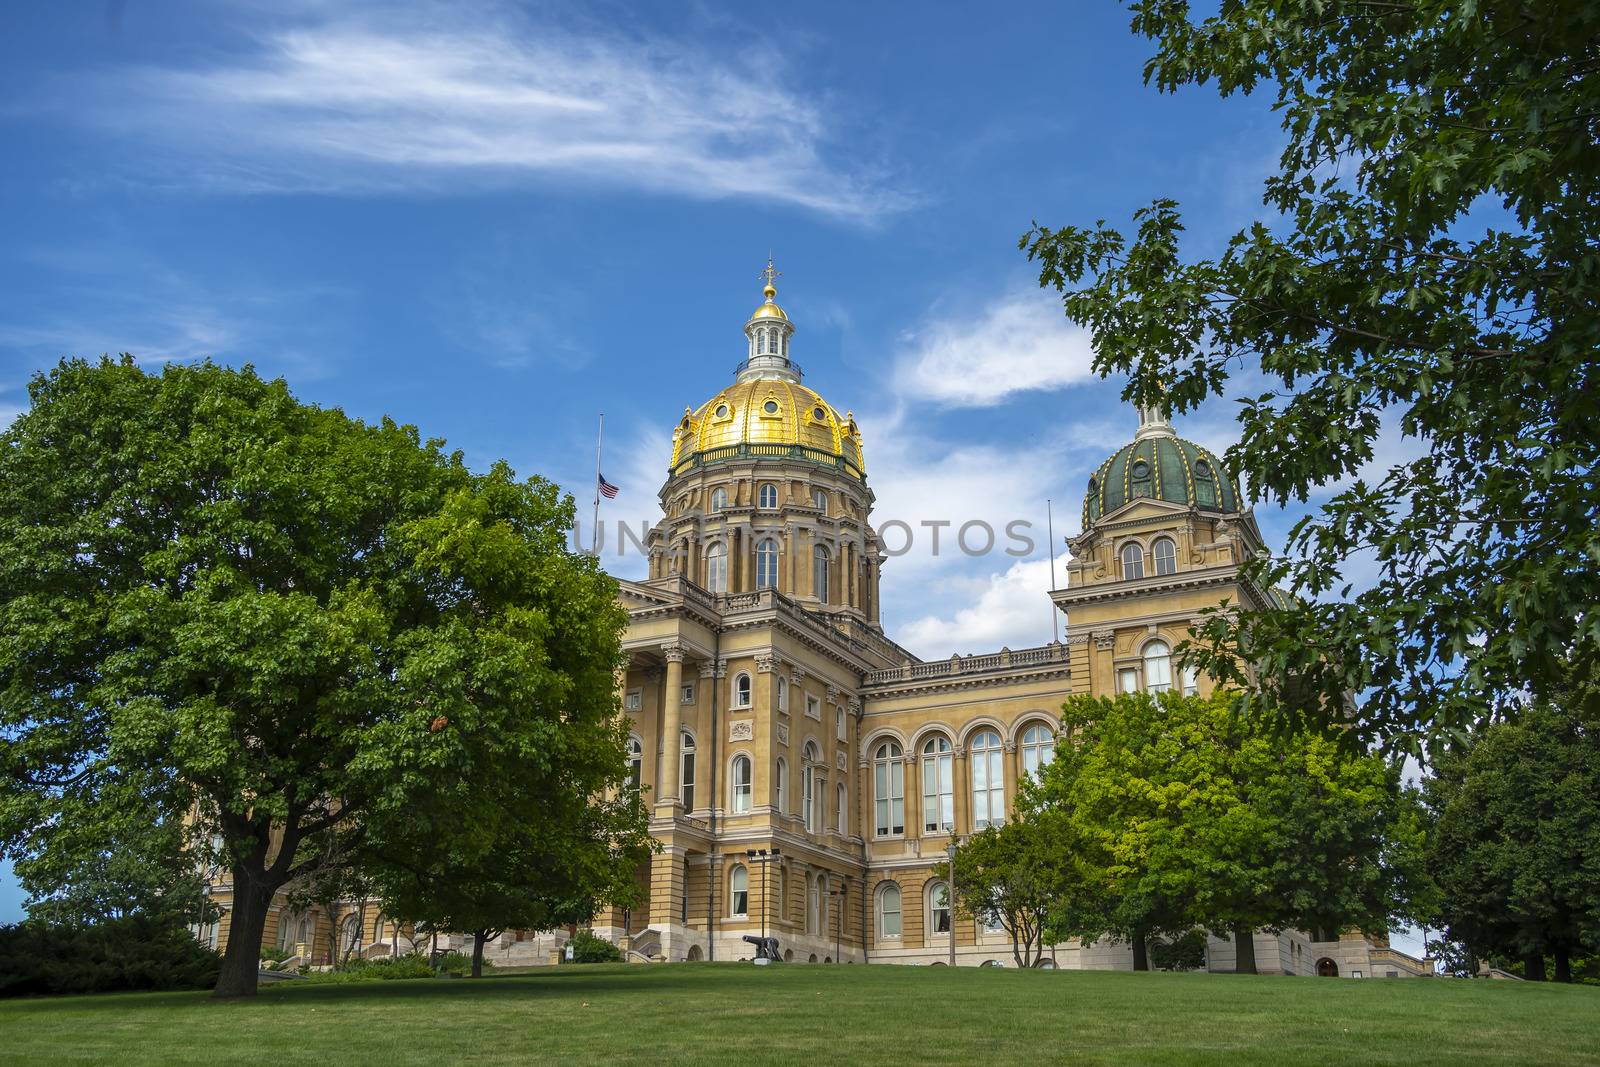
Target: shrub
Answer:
pixel 1186 952
pixel 446 962
pixel 587 948
pixel 413 965
pixel 133 952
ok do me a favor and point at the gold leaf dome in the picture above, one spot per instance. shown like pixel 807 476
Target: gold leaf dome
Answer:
pixel 767 417
pixel 769 309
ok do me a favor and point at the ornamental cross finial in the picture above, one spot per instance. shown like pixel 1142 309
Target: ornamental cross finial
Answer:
pixel 769 273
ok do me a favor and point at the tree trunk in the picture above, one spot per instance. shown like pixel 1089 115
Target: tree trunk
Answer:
pixel 478 938
pixel 247 919
pixel 1141 958
pixel 1244 950
pixel 1533 968
pixel 1563 964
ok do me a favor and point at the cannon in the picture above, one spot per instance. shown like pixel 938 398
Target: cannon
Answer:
pixel 766 947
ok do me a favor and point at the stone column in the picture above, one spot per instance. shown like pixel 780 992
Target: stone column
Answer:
pixel 671 725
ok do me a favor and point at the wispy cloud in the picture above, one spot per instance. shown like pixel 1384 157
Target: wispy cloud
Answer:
pixel 379 100
pixel 1018 343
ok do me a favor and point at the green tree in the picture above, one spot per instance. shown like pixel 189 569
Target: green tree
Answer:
pixel 1431 268
pixel 1515 843
pixel 1022 874
pixel 283 622
pixel 1189 815
pixel 540 863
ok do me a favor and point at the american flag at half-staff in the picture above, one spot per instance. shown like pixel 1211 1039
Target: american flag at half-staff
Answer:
pixel 601 488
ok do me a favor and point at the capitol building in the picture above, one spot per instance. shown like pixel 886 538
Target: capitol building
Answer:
pixel 771 714
pixel 806 773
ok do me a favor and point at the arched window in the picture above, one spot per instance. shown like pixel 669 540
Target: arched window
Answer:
pixel 1038 747
pixel 717 568
pixel 810 757
pixel 783 694
pixel 686 783
pixel 819 572
pixel 1191 681
pixel 741 690
pixel 349 935
pixel 1132 560
pixel 938 796
pixel 889 911
pixel 813 905
pixel 988 780
pixel 889 791
pixel 819 499
pixel 739 891
pixel 1157 667
pixel 741 784
pixel 635 761
pixel 1166 555
pixel 780 785
pixel 769 496
pixel 719 500
pixel 767 563
pixel 938 909
pixel 843 809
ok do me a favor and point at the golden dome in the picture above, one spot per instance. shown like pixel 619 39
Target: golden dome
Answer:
pixel 769 310
pixel 767 417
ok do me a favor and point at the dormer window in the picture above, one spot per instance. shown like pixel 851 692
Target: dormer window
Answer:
pixel 1141 479
pixel 769 496
pixel 1205 487
pixel 1132 560
pixel 770 407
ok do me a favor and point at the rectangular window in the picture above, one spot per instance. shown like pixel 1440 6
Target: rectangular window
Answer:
pixel 838 723
pixel 938 798
pixel 1191 681
pixel 634 700
pixel 686 791
pixel 1128 680
pixel 890 792
pixel 890 926
pixel 813 707
pixel 687 696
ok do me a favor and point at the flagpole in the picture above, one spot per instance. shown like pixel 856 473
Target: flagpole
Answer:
pixel 1055 615
pixel 594 533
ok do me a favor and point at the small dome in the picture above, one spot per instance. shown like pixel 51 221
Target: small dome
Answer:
pixel 769 309
pixel 1161 466
pixel 768 417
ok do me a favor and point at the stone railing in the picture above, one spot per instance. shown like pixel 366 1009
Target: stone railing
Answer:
pixel 957 666
pixel 748 450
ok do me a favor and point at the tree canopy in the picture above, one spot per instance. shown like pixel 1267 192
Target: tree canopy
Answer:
pixel 290 627
pixel 1184 814
pixel 1515 844
pixel 1431 271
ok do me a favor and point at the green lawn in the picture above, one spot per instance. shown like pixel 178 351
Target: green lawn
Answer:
pixel 738 1014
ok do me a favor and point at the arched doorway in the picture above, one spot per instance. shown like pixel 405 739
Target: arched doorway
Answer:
pixel 1326 968
pixel 694 953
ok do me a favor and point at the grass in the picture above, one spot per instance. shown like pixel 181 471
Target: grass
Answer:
pixel 738 1014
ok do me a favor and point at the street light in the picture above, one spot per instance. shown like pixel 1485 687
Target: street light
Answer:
pixel 762 857
pixel 838 918
pixel 950 896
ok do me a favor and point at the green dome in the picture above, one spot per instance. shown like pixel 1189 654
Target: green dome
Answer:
pixel 1165 467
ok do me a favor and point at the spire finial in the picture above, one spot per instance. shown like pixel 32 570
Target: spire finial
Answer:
pixel 770 290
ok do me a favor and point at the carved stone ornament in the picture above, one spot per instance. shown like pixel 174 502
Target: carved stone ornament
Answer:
pixel 783 733
pixel 840 761
pixel 672 653
pixel 741 730
pixel 1105 640
pixel 798 673
pixel 833 694
pixel 854 705
pixel 765 664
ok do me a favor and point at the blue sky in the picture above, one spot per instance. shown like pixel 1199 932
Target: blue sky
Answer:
pixel 496 220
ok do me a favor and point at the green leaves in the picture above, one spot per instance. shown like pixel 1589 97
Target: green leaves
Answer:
pixel 296 630
pixel 1388 296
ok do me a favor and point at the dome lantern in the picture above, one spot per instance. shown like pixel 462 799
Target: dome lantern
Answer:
pixel 768 332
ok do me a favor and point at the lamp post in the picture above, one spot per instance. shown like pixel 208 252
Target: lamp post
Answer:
pixel 950 895
pixel 762 857
pixel 838 919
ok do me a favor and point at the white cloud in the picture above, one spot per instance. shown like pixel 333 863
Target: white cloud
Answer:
pixel 1021 342
pixel 388 99
pixel 1009 609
